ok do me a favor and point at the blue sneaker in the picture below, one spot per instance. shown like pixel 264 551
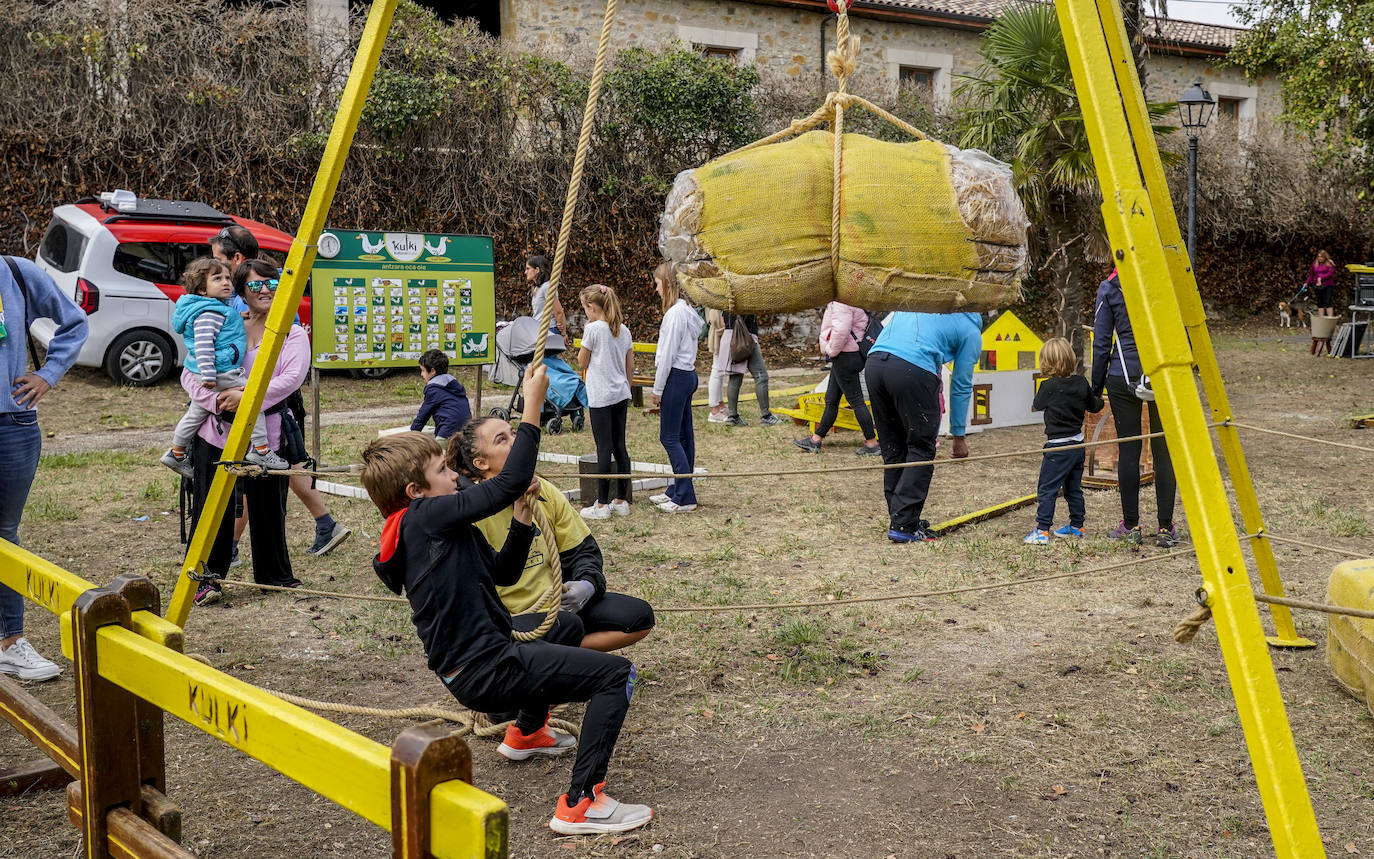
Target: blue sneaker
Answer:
pixel 1070 531
pixel 1038 538
pixel 920 535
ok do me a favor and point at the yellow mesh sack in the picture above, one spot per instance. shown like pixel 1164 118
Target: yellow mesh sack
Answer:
pixel 1350 640
pixel 924 226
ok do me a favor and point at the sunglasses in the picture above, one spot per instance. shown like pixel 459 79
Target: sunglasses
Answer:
pixel 224 236
pixel 256 286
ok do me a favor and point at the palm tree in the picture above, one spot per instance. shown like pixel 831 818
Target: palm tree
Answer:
pixel 1023 108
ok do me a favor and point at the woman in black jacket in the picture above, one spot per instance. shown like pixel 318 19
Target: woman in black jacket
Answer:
pixel 1116 366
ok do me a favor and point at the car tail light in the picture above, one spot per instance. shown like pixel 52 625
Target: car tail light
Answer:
pixel 87 295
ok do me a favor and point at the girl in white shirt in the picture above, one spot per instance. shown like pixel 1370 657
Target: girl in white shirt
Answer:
pixel 608 363
pixel 675 381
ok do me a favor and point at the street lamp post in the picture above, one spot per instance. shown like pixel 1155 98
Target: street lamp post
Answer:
pixel 1195 108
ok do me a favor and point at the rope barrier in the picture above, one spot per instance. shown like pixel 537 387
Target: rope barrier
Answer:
pixel 1232 423
pixel 1296 542
pixel 252 470
pixel 1006 583
pixel 1325 608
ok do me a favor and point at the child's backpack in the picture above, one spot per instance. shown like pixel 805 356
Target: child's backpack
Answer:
pixel 870 335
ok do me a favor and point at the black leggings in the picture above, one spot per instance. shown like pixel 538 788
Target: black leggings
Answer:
pixel 266 499
pixel 906 410
pixel 1126 408
pixel 608 431
pixel 610 612
pixel 537 675
pixel 844 379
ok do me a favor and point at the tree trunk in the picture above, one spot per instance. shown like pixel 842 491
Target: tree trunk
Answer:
pixel 1133 11
pixel 1063 247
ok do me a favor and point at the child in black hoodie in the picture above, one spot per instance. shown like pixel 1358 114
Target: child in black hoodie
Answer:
pixel 449 574
pixel 1064 397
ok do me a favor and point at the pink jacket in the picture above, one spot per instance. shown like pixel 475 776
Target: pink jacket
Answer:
pixel 292 368
pixel 842 327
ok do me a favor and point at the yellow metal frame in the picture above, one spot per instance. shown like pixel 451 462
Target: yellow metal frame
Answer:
pixel 279 319
pixel 1167 317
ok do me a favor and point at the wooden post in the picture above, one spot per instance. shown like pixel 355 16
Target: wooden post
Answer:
pixel 132 837
pixel 41 774
pixel 477 399
pixel 142 595
pixel 423 757
pixel 107 723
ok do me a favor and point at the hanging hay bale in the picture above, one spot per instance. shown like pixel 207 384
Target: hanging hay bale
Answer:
pixel 923 226
pixel 1350 640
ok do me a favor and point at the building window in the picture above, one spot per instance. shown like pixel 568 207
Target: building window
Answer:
pixel 922 75
pixel 716 52
pixel 734 46
pixel 987 361
pixel 919 83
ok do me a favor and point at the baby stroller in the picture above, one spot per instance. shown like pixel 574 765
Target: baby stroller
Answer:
pixel 567 396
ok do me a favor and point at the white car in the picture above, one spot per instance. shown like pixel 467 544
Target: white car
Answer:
pixel 120 258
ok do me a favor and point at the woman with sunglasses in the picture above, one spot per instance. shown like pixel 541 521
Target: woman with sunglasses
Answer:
pixel 256 282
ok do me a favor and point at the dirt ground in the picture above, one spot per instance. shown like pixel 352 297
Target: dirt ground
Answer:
pixel 1048 720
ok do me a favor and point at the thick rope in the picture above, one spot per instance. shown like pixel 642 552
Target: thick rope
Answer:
pixel 843 61
pixel 1332 549
pixel 552 598
pixel 1325 608
pixel 258 471
pixel 811 472
pixel 1231 423
pixel 1006 583
pixel 468 721
pixel 575 182
pixel 1188 627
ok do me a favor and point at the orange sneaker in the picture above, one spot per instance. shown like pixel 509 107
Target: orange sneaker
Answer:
pixel 545 741
pixel 603 815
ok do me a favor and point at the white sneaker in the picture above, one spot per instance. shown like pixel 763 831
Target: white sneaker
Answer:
pixel 717 417
pixel 674 507
pixel 620 507
pixel 21 660
pixel 603 815
pixel 266 460
pixel 596 511
pixel 658 499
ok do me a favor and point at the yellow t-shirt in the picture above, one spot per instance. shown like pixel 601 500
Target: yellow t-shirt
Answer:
pixel 569 531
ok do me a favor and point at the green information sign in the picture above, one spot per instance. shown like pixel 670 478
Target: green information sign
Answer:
pixel 384 299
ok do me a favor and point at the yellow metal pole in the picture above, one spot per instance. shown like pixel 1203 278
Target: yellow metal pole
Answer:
pixel 279 319
pixel 1195 321
pixel 1107 89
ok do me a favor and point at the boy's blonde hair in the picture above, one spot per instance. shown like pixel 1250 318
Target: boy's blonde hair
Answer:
pixel 196 278
pixel 392 463
pixel 1057 358
pixel 604 297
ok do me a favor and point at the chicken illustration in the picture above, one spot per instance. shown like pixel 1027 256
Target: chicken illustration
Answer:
pixel 437 250
pixel 475 346
pixel 369 246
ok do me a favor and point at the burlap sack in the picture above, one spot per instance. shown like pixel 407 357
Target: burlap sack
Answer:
pixel 924 227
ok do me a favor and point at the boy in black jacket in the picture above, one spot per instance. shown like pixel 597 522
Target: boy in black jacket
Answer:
pixel 449 574
pixel 1064 397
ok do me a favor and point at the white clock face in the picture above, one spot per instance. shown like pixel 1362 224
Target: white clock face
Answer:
pixel 329 245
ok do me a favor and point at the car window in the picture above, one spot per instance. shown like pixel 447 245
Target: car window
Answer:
pixel 157 262
pixel 62 246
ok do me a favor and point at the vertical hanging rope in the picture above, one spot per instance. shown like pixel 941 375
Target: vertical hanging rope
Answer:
pixel 575 183
pixel 843 61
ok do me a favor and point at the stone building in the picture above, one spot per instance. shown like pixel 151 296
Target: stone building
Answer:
pixel 926 43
